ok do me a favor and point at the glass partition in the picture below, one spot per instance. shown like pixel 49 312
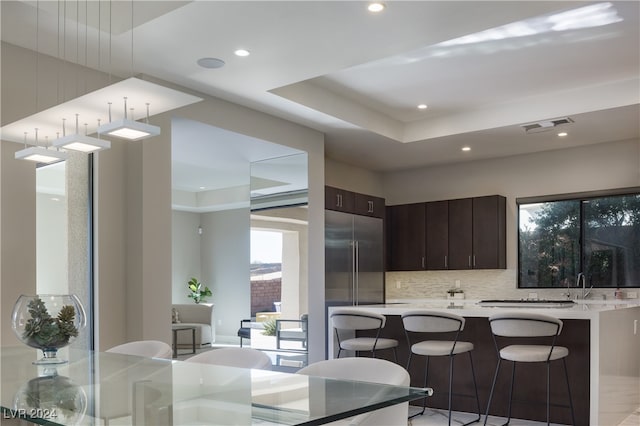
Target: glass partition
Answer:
pixel 279 281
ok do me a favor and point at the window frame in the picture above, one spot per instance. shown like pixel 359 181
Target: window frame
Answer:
pixel 581 197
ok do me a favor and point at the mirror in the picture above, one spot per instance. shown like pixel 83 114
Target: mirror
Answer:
pixel 279 237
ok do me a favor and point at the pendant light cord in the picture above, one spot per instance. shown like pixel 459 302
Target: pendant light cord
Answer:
pixel 37 52
pixel 131 38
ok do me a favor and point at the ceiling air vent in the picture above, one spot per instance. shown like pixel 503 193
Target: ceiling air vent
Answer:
pixel 545 125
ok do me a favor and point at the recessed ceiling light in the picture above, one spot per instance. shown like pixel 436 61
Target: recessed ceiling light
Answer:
pixel 242 52
pixel 211 63
pixel 422 106
pixel 376 7
pixel 202 187
pixel 466 148
pixel 562 134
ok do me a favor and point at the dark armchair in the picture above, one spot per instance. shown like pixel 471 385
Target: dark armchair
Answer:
pixel 244 332
pixel 295 334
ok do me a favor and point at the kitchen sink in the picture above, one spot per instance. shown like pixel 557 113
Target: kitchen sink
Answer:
pixel 528 303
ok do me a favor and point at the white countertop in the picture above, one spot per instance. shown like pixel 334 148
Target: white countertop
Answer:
pixel 581 309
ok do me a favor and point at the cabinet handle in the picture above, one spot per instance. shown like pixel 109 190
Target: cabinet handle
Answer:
pixel 423 262
pixel 370 207
pixel 338 200
pixel 474 260
pixel 469 261
pixel 446 265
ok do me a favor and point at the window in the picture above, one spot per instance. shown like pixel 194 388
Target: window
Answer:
pixel 596 235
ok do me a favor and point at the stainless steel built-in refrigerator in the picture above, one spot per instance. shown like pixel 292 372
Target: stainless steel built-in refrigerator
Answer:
pixel 354 259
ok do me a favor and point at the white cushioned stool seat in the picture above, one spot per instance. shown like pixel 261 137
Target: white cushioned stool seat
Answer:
pixel 346 319
pixel 533 353
pixel 366 343
pixel 440 348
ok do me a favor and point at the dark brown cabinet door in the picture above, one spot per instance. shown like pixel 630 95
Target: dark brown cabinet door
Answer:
pixel 339 200
pixel 460 234
pixel 367 205
pixel 437 235
pixel 406 237
pixel 489 228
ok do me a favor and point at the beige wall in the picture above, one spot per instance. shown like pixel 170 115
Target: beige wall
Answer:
pixel 345 176
pixel 18 231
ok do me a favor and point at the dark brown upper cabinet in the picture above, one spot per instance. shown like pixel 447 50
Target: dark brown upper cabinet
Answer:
pixel 489 232
pixel 468 233
pixel 368 205
pixel 352 202
pixel 461 234
pixel 405 226
pixel 437 235
pixel 339 199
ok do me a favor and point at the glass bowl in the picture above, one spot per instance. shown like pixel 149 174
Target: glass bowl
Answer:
pixel 53 398
pixel 48 322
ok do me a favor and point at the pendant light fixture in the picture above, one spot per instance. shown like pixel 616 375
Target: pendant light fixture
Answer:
pixel 78 142
pixel 91 106
pixel 38 153
pixel 129 129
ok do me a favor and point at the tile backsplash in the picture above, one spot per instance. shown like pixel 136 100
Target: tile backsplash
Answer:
pixel 476 285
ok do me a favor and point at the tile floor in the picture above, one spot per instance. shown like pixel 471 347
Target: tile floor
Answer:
pixel 439 418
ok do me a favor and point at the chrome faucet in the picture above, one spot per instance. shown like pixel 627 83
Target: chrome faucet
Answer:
pixel 583 278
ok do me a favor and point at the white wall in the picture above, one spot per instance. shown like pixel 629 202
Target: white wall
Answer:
pixel 185 257
pixel 51 244
pixel 595 167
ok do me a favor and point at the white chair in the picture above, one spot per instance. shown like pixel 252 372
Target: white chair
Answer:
pixel 431 322
pixel 534 327
pixel 356 319
pixel 367 370
pixel 146 348
pixel 234 357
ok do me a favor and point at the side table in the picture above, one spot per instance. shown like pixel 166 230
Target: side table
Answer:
pixel 174 329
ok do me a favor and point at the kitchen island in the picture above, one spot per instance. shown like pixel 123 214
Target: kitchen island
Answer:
pixel 603 338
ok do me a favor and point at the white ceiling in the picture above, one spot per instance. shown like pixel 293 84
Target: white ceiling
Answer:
pixel 484 68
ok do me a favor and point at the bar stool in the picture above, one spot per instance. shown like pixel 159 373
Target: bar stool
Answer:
pixel 534 326
pixel 356 319
pixel 425 321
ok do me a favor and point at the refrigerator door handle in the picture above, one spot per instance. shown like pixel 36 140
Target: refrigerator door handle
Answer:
pixel 356 271
pixel 353 271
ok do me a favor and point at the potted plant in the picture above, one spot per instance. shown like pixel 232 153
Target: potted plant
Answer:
pixel 197 292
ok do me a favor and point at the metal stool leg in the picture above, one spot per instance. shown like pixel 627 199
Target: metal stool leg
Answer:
pixel 424 403
pixel 513 376
pixel 566 376
pixel 451 357
pixel 493 385
pixel 475 387
pixel 548 388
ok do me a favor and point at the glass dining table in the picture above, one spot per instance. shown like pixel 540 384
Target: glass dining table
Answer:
pixel 96 388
